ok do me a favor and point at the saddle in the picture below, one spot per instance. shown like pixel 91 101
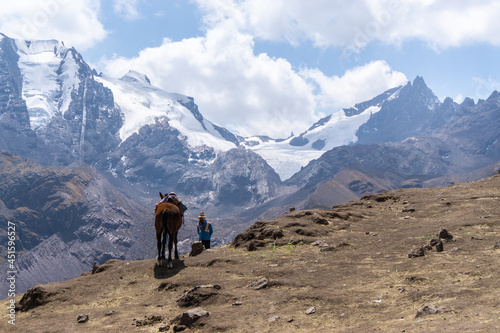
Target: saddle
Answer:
pixel 174 200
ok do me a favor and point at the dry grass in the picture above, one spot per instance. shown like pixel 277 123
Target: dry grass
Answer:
pixel 360 280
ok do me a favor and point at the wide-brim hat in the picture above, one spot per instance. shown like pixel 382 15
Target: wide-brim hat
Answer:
pixel 202 216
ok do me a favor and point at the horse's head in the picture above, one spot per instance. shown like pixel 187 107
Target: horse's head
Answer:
pixel 158 204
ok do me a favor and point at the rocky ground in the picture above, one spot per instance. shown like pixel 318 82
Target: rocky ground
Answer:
pixel 363 266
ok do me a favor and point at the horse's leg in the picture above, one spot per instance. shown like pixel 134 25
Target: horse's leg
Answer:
pixel 176 254
pixel 164 232
pixel 170 242
pixel 163 243
pixel 158 244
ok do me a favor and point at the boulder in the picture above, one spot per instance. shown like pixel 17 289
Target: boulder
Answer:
pixel 189 317
pixel 259 284
pixel 418 252
pixel 196 248
pixel 444 234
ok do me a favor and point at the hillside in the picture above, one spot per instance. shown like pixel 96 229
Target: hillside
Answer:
pixel 345 269
pixel 65 219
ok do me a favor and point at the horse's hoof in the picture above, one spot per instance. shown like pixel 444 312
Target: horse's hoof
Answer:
pixel 158 262
pixel 170 265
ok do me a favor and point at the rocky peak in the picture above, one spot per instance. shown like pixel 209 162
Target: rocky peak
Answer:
pixel 402 116
pixel 133 76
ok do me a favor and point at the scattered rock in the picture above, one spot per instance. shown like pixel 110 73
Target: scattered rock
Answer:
pixel 311 310
pixel 189 317
pixel 149 321
pixel 292 209
pixel 197 295
pixel 476 238
pixel 36 296
pixel 408 210
pixel 109 313
pixel 237 303
pixel 259 284
pixel 418 252
pixel 196 248
pixel 82 319
pixel 164 328
pixel 497 245
pixel 440 247
pixel 444 234
pixel 434 242
pixel 429 310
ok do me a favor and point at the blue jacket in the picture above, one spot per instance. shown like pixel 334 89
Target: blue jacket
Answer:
pixel 204 230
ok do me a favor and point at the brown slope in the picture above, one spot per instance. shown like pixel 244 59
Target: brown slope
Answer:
pixel 69 216
pixel 352 183
pixel 350 263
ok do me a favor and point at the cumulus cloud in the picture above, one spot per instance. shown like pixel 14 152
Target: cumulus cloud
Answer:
pixel 250 94
pixel 75 22
pixel 358 84
pixel 354 24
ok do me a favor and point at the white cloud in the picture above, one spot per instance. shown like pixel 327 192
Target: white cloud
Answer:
pixel 75 22
pixel 356 85
pixel 354 24
pixel 250 94
pixel 127 9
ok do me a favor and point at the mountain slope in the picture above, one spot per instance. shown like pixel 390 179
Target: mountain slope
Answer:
pixel 344 269
pixel 70 215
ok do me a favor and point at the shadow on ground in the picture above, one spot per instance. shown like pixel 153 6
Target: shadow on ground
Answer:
pixel 162 272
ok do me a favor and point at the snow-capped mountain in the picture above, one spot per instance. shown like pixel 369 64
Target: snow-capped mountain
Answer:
pixel 86 115
pixel 143 104
pixel 126 127
pixel 338 129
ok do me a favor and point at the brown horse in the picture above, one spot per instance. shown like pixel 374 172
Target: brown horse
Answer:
pixel 168 221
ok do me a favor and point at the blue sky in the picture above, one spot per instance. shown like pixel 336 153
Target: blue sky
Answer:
pixel 273 67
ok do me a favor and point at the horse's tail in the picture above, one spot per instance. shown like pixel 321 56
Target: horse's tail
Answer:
pixel 165 214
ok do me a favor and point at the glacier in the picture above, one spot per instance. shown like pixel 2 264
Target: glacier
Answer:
pixel 50 75
pixel 142 103
pixel 287 159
